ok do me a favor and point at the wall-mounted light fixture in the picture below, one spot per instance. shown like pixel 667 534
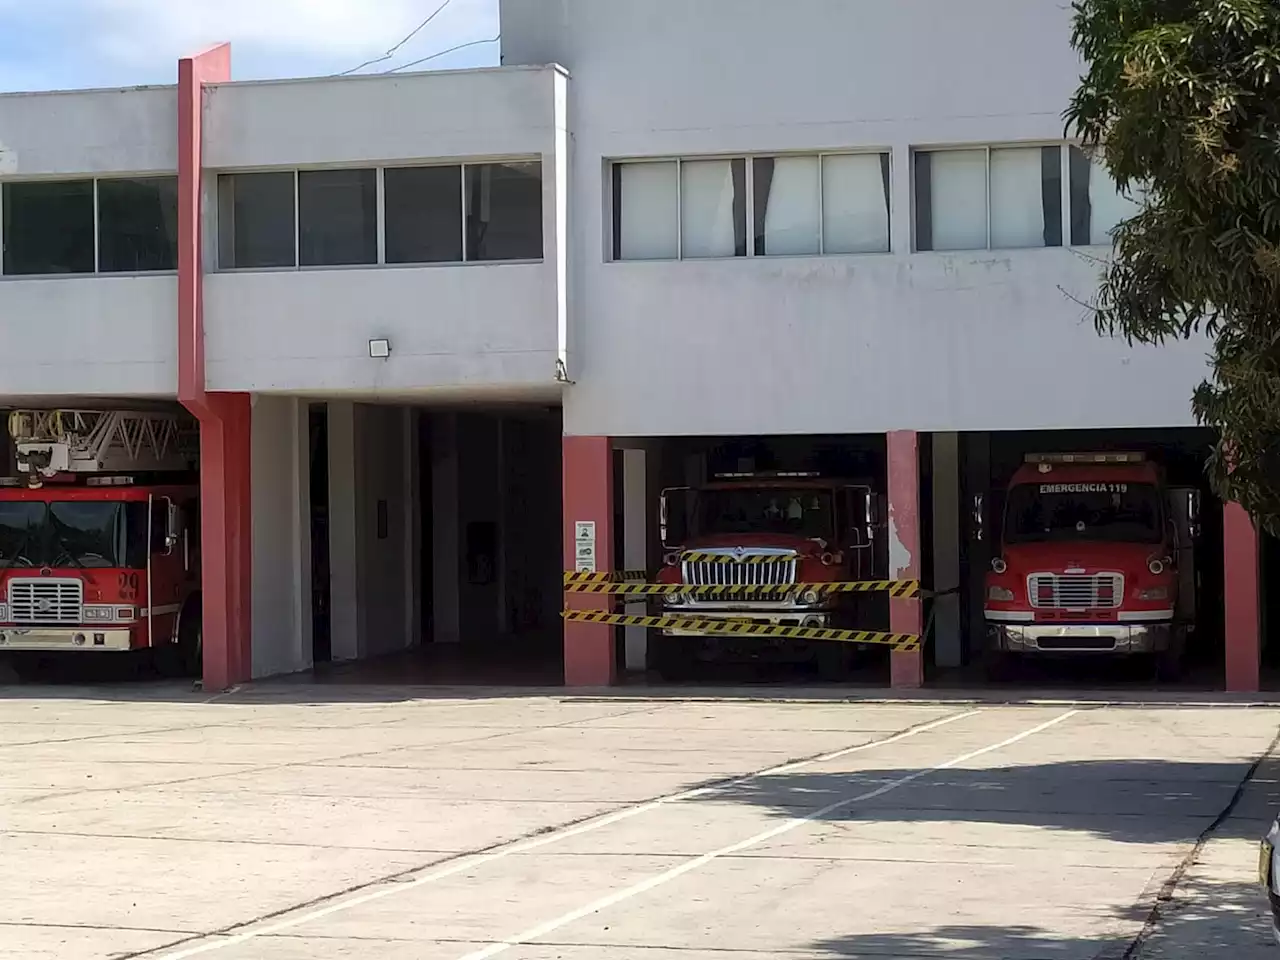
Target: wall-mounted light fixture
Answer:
pixel 380 349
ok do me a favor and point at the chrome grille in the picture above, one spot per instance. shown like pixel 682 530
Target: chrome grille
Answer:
pixel 1096 591
pixel 45 601
pixel 780 571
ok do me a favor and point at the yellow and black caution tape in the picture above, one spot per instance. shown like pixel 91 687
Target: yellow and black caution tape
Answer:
pixel 747 628
pixel 618 576
pixel 895 588
pixel 699 556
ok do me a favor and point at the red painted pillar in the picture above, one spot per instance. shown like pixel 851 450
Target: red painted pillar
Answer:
pixel 224 418
pixel 906 670
pixel 1242 610
pixel 589 658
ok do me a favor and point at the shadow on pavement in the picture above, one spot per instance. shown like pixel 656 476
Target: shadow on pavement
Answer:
pixel 1140 801
pixel 1229 920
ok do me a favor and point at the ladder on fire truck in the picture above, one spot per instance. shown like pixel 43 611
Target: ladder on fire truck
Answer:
pixel 49 442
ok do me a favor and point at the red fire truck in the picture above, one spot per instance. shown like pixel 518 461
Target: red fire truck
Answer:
pixel 1095 555
pixel 99 537
pixel 772 529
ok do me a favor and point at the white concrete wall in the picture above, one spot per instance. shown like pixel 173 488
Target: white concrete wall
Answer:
pixel 478 326
pixel 78 132
pixel 411 116
pixel 281 597
pixel 95 336
pixel 474 327
pixel 841 344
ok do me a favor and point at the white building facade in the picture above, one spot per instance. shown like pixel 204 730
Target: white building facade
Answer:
pixel 729 218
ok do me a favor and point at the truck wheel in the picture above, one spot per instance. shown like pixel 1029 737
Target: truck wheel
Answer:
pixel 191 642
pixel 669 657
pixel 832 660
pixel 1169 666
pixel 998 666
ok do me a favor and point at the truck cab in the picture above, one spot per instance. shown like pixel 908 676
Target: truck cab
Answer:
pixel 1094 555
pixel 94 559
pixel 765 531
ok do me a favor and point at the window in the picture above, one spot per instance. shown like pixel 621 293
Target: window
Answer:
pixel 713 208
pixel 443 213
pixel 1097 206
pixel 646 211
pixel 423 214
pixel 988 198
pixel 800 205
pixel 337 217
pixel 256 220
pixel 48 227
pixel 504 211
pixel 138 224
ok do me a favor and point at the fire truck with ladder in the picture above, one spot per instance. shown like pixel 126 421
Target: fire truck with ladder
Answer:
pixel 99 537
pixel 1094 555
pixel 771 531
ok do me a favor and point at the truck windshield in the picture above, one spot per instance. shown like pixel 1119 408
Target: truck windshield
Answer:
pixel 799 512
pixel 1118 512
pixel 63 533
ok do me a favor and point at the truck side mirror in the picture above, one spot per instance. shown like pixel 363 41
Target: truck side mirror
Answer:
pixel 862 511
pixel 674 509
pixel 979 516
pixel 172 526
pixel 1193 514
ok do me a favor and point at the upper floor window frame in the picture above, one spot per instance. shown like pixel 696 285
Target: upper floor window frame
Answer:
pixel 615 165
pixel 213 227
pixel 96 181
pixel 1066 201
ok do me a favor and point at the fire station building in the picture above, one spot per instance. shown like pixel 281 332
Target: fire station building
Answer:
pixel 434 326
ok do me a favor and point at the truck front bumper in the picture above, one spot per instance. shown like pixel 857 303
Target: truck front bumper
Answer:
pixel 785 618
pixel 1113 638
pixel 53 639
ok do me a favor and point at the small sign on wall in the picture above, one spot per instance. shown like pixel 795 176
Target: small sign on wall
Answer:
pixel 584 536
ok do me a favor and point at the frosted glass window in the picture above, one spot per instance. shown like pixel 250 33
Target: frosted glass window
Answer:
pixel 646 216
pixel 951 200
pixel 1026 197
pixel 787 205
pixel 713 221
pixel 855 203
pixel 1097 206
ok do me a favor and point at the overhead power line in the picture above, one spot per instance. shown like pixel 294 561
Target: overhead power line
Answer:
pixel 396 49
pixel 460 46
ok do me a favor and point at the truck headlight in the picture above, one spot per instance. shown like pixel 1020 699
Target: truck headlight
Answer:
pixel 1154 593
pixel 98 613
pixel 1000 594
pixel 810 597
pixel 673 599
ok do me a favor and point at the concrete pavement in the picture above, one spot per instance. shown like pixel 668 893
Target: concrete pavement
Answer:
pixel 292 822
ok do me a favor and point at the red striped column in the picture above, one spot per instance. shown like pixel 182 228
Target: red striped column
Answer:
pixel 906 669
pixel 225 418
pixel 1241 599
pixel 589 656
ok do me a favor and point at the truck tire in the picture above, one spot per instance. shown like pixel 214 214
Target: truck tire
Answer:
pixel 1169 663
pixel 191 640
pixel 669 657
pixel 832 660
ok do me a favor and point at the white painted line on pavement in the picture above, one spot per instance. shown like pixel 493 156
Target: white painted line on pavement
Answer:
pixel 644 886
pixel 465 863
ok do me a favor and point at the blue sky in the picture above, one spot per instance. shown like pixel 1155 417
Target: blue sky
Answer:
pixel 61 44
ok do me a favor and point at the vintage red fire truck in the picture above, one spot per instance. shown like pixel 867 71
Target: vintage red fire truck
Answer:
pixel 773 529
pixel 99 537
pixel 1095 555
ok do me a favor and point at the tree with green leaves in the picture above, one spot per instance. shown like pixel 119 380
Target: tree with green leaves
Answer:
pixel 1182 100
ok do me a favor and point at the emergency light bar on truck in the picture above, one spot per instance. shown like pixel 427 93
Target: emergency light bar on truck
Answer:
pixel 1084 458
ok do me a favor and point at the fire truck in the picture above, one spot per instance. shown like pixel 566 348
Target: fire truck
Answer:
pixel 99 537
pixel 770 530
pixel 1094 555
